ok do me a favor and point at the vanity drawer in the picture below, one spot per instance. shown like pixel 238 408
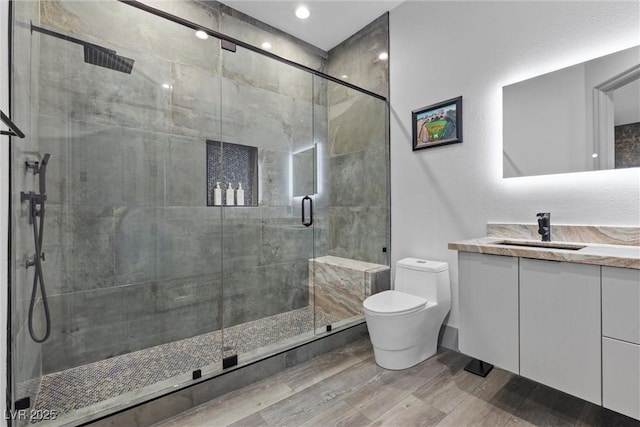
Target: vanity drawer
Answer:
pixel 621 304
pixel 621 377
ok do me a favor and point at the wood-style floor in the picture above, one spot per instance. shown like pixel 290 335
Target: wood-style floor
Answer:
pixel 346 388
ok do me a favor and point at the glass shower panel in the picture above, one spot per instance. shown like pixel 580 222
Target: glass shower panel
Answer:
pixel 26 354
pixel 352 205
pixel 124 102
pixel 267 117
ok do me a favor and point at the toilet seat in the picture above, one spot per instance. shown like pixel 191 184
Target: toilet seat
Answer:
pixel 393 303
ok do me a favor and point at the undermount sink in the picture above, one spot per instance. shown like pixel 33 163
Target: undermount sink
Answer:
pixel 547 245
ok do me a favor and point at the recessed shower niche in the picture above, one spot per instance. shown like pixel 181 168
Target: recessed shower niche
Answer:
pixel 233 164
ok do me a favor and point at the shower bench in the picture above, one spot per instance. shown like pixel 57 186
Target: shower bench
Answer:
pixel 338 286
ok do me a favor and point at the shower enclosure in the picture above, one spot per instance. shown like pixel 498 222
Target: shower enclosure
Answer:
pixel 147 279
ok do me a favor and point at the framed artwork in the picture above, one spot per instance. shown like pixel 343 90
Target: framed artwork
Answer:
pixel 437 124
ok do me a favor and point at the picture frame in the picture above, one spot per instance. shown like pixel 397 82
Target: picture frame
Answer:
pixel 437 124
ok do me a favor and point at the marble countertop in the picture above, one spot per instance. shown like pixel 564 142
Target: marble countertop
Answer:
pixel 592 253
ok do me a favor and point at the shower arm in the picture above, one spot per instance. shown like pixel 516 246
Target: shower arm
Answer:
pixel 13 129
pixel 93 54
pixel 69 38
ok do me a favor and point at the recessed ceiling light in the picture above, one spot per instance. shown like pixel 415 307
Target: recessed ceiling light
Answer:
pixel 266 45
pixel 383 56
pixel 302 12
pixel 202 35
pixel 594 155
pixel 166 86
pixel 344 77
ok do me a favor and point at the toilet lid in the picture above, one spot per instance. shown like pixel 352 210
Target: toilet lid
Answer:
pixel 393 302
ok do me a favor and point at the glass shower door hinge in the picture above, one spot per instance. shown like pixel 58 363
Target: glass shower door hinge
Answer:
pixel 229 361
pixel 21 404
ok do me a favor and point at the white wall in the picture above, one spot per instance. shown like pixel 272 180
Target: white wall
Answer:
pixel 440 50
pixel 4 201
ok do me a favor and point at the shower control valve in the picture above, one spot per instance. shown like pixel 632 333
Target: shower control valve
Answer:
pixel 31 261
pixel 34 200
pixel 35 165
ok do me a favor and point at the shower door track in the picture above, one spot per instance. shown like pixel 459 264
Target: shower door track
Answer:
pixel 194 26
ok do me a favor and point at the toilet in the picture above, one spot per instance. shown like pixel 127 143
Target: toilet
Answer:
pixel 404 323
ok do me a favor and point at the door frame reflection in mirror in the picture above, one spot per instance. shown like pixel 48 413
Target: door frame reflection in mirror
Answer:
pixel 603 116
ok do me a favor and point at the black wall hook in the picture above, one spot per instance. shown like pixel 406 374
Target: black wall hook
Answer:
pixel 13 129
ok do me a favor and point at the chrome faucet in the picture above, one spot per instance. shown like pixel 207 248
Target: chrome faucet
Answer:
pixel 544 225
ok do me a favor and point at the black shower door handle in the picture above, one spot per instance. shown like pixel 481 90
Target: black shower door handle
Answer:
pixel 304 199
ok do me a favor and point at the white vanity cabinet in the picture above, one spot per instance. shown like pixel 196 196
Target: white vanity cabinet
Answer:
pixel 560 331
pixel 569 319
pixel 488 295
pixel 621 340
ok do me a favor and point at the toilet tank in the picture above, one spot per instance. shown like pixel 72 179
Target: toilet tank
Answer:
pixel 427 279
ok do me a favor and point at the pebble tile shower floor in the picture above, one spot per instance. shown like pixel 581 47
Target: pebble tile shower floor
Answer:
pixel 86 385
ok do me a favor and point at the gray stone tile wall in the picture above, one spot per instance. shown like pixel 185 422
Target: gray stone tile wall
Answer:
pixel 285 240
pixel 357 154
pixel 273 173
pixel 96 324
pixel 255 292
pixel 306 120
pixel 356 123
pixel 196 101
pixel 358 189
pixel 357 57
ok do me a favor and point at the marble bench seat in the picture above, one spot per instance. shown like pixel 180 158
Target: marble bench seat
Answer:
pixel 338 286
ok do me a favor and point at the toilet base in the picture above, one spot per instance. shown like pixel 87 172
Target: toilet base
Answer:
pixel 400 359
pixel 479 367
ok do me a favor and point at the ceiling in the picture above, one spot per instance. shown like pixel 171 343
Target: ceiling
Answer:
pixel 330 23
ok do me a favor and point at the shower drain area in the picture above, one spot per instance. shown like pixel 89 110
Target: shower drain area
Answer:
pixel 83 386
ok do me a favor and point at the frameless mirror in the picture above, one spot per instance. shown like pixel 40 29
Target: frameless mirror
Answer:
pixel 581 118
pixel 303 167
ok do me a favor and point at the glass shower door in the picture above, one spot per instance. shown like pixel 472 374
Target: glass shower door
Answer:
pixel 132 264
pixel 352 206
pixel 267 122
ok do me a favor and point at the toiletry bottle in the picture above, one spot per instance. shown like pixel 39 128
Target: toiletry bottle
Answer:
pixel 230 198
pixel 217 195
pixel 240 195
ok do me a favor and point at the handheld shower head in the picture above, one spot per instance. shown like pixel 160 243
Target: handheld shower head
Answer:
pixel 42 170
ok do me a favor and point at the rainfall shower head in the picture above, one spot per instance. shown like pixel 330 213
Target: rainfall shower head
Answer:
pixel 94 54
pixel 107 58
